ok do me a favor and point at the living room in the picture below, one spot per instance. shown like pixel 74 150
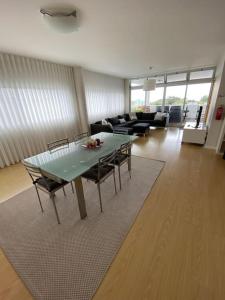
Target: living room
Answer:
pixel 112 139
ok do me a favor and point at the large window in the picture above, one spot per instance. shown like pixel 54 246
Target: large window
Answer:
pixel 176 77
pixel 180 93
pixel 155 99
pixel 197 95
pixel 175 95
pixel 137 100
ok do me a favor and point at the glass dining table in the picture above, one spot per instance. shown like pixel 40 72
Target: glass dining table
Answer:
pixel 70 162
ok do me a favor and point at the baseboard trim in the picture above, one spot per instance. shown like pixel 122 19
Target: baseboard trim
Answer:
pixel 210 147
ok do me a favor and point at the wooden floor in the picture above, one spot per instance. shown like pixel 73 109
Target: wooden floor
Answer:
pixel 176 248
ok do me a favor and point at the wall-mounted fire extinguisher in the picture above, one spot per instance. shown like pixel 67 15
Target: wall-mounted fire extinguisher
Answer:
pixel 219 112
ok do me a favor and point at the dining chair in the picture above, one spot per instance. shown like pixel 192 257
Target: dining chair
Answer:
pixel 45 184
pixel 123 155
pixel 57 145
pixel 80 136
pixel 101 171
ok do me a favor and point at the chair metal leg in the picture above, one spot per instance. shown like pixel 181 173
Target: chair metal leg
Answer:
pixel 100 197
pixel 72 187
pixel 56 212
pixel 39 199
pixel 119 176
pixel 114 178
pixel 129 168
pixel 64 191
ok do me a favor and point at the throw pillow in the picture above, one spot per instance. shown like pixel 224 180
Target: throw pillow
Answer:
pixel 122 121
pixel 104 122
pixel 133 116
pixel 159 116
pixel 110 125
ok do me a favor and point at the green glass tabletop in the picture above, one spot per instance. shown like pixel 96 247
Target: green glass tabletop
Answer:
pixel 73 160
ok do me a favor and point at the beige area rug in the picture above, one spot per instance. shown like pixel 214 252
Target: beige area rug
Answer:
pixel 69 261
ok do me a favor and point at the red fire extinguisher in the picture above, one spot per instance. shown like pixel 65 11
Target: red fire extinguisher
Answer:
pixel 219 112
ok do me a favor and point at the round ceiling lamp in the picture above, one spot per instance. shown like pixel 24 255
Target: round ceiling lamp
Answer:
pixel 149 85
pixel 62 20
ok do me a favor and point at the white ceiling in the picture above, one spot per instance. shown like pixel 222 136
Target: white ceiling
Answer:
pixel 120 37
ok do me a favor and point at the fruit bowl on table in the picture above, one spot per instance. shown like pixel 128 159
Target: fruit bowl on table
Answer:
pixel 93 144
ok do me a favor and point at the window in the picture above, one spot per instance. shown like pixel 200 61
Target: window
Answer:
pixel 174 92
pixel 156 99
pixel 137 100
pixel 197 95
pixel 175 95
pixel 159 79
pixel 176 77
pixel 204 74
pixel 137 82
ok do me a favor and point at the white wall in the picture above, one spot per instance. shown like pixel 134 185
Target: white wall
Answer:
pixel 214 125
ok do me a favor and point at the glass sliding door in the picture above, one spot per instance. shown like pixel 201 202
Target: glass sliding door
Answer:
pixel 137 100
pixel 155 99
pixel 197 95
pixel 174 102
pixel 179 93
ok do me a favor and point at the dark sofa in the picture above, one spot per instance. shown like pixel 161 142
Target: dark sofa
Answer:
pixel 116 125
pixel 150 118
pixel 127 127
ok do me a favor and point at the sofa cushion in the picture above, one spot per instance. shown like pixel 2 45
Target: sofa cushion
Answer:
pixel 127 117
pixel 139 115
pixel 133 116
pixel 159 116
pixel 122 121
pixel 114 121
pixel 104 122
pixel 148 116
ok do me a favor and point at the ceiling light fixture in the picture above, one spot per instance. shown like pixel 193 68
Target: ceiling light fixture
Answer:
pixel 149 85
pixel 63 21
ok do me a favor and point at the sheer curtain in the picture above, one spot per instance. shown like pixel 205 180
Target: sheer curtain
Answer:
pixel 37 105
pixel 105 95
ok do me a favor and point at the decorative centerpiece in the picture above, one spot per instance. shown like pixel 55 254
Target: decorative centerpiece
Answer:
pixel 93 144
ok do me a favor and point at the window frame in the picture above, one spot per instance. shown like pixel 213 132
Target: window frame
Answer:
pixel 186 82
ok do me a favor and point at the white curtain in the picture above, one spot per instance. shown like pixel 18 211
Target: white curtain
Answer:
pixel 105 95
pixel 37 105
pixel 81 98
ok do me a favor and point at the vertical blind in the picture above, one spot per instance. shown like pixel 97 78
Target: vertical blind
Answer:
pixel 37 105
pixel 104 95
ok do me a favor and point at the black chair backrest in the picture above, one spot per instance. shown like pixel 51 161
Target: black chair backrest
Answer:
pixel 81 136
pixel 34 172
pixel 106 160
pixel 124 148
pixel 58 144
